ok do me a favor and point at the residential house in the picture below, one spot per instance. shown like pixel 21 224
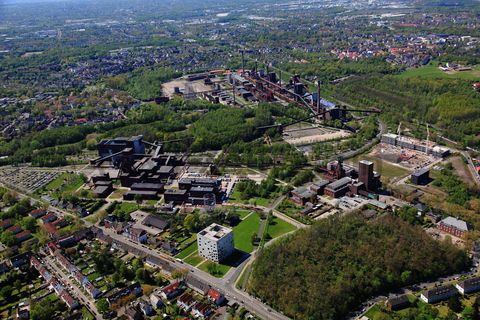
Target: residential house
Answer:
pixel 397 303
pixel 49 217
pixel 186 301
pixel 469 285
pixel 438 294
pixel 170 291
pixel 15 229
pixel 215 296
pixel 201 310
pixel 22 236
pixel 136 234
pixel 6 223
pixel 156 300
pixel 37 213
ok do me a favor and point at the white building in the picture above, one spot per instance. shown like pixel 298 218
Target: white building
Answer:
pixel 215 242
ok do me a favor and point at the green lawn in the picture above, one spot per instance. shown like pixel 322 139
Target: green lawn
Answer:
pixel 242 233
pixel 219 270
pixel 279 227
pixel 87 315
pixel 93 276
pixel 194 259
pixel 386 169
pixel 187 251
pixel 432 71
pixel 293 211
pixel 235 197
pixel 66 182
pixel 243 213
pixel 126 207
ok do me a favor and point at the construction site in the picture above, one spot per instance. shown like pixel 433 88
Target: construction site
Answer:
pixel 409 152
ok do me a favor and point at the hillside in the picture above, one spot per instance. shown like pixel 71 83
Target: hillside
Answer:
pixel 324 271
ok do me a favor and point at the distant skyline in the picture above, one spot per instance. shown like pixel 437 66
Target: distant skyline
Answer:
pixel 31 1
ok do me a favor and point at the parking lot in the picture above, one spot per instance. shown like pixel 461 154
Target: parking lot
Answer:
pixel 27 180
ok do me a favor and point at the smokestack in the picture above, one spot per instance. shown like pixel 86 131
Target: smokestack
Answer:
pixel 318 96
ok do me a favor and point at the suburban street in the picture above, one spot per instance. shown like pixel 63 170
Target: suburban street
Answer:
pixel 225 284
pixel 83 299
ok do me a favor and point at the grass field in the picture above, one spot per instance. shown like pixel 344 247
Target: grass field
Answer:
pixel 127 207
pixel 65 182
pixel 235 197
pixel 386 169
pixel 242 233
pixel 194 260
pixel 187 251
pixel 279 227
pixel 220 269
pixel 431 71
pixel 243 213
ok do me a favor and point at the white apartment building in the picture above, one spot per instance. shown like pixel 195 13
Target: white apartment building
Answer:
pixel 215 242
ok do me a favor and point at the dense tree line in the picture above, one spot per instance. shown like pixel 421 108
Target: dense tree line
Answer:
pixel 458 192
pixel 450 104
pixel 143 83
pixel 226 126
pixel 324 271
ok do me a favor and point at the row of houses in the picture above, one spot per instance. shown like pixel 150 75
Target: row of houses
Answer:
pixel 463 287
pixel 54 283
pixel 437 294
pixel 20 235
pixel 74 271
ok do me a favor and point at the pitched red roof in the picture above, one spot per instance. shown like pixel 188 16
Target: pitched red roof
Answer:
pixel 171 287
pixel 214 294
pixel 50 228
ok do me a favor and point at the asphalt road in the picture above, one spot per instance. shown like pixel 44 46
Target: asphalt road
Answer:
pixel 83 299
pixel 225 284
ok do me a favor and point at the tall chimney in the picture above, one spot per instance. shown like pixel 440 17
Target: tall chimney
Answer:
pixel 318 96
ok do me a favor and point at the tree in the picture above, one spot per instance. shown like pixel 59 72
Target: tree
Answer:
pixel 8 238
pixel 29 223
pixel 102 306
pixel 42 311
pixel 6 292
pixel 138 199
pixel 454 304
pixel 190 222
pixel 9 198
pixel 142 275
pixel 406 276
pixel 470 313
pixel 254 238
pixel 18 284
pixel 179 274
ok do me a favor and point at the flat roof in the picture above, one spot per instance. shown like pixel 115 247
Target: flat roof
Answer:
pixel 175 191
pixel 366 162
pixel 139 185
pixel 101 189
pixel 420 171
pixel 142 192
pixel 215 231
pixel 339 183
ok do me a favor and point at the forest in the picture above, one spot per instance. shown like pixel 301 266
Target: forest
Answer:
pixel 450 104
pixel 326 270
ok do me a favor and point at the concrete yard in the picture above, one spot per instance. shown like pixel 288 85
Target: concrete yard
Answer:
pixel 312 134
